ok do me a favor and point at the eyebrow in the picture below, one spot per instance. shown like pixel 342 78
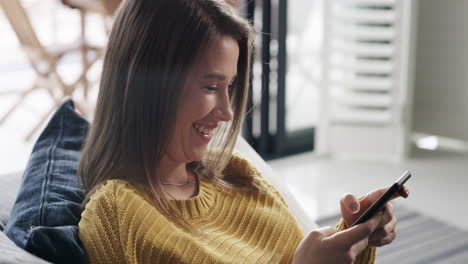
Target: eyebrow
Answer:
pixel 217 76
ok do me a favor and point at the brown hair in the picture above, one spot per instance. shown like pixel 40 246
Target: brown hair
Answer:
pixel 152 46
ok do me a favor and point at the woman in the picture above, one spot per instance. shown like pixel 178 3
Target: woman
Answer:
pixel 163 185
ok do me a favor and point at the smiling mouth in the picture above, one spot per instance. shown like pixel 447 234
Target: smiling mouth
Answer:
pixel 203 130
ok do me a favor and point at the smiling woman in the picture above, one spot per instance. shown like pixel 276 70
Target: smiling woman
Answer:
pixel 204 105
pixel 205 101
pixel 164 92
pixel 162 182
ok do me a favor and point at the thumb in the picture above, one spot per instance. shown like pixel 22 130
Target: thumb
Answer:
pixel 350 203
pixel 317 235
pixel 350 208
pixel 326 231
pixel 358 233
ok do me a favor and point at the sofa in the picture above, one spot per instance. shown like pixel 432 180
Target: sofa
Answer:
pixel 9 252
pixel 11 183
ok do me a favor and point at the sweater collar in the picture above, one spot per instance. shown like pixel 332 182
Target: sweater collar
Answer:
pixel 200 204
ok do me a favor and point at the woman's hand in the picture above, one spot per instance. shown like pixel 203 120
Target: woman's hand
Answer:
pixel 352 208
pixel 325 245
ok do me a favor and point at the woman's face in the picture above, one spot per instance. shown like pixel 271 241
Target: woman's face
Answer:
pixel 205 101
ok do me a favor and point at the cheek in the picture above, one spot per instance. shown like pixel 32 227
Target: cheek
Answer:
pixel 190 111
pixel 199 107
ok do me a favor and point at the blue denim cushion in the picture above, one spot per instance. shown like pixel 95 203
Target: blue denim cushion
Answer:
pixel 44 219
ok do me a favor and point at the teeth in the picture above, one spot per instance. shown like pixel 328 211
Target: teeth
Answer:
pixel 203 130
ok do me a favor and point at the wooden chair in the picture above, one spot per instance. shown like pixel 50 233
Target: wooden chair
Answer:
pixel 105 8
pixel 44 62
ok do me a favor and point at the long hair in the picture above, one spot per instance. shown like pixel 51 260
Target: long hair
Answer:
pixel 152 47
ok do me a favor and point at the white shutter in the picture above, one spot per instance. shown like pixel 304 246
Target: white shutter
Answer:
pixel 368 57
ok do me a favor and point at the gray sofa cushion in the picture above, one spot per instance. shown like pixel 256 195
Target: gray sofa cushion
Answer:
pixel 10 253
pixel 9 185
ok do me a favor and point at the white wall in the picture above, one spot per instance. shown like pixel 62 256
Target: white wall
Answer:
pixel 441 84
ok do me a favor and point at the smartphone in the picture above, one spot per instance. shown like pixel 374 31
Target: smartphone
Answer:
pixel 371 211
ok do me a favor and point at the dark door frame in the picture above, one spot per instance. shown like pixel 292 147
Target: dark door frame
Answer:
pixel 282 142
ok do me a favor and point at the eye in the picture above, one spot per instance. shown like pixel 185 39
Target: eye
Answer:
pixel 211 88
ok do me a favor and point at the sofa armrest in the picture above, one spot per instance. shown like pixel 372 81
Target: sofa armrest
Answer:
pixel 10 253
pixel 306 223
pixel 9 186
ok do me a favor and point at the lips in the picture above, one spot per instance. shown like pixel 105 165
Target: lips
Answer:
pixel 205 128
pixel 204 131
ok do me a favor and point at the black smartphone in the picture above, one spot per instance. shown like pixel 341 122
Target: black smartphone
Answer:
pixel 371 211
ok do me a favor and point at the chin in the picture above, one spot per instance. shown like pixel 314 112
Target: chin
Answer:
pixel 198 154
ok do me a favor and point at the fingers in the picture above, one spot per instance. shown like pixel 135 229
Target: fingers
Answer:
pixel 359 247
pixel 317 235
pixel 383 232
pixel 350 203
pixel 326 231
pixel 352 241
pixel 367 200
pixel 384 241
pixel 320 233
pixel 386 233
pixel 387 214
pixel 403 192
pixel 350 208
pixel 359 232
pixel 374 195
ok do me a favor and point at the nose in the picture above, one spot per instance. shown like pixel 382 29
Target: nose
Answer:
pixel 224 110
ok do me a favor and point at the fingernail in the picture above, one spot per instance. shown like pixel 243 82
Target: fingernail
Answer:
pixel 354 207
pixel 403 192
pixel 406 193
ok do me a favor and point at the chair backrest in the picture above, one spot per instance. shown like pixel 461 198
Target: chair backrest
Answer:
pixel 111 5
pixel 105 7
pixel 21 24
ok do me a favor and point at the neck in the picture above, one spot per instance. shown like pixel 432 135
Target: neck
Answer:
pixel 173 172
pixel 174 177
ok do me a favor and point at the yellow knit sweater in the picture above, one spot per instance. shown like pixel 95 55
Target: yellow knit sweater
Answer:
pixel 119 226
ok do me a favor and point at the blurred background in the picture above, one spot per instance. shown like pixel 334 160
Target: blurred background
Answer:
pixel 346 94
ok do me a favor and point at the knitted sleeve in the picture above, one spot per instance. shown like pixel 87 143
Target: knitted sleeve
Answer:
pixel 367 256
pixel 99 227
pixel 243 166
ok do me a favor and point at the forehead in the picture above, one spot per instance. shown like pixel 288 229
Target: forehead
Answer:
pixel 220 57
